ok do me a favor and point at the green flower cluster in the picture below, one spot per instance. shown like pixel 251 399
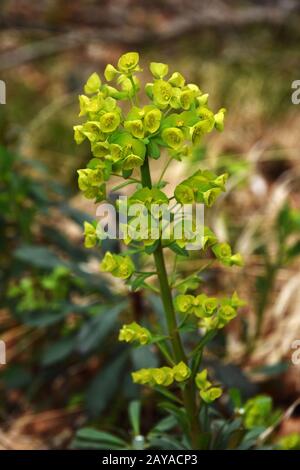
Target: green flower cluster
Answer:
pixel 118 265
pixel 91 183
pixel 202 187
pixel 134 332
pixel 258 411
pixel 194 121
pixel 207 391
pixel 176 118
pixel 164 376
pixel 213 313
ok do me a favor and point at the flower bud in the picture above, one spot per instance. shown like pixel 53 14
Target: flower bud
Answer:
pixel 110 72
pixel 158 70
pixel 93 84
pixel 90 235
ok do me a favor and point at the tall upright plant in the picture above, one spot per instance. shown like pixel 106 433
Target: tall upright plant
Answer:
pixel 123 142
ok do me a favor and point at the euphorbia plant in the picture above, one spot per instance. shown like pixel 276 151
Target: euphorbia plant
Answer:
pixel 124 139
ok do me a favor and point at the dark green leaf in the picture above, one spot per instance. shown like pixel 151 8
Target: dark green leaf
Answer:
pixel 134 415
pixel 38 256
pixel 105 385
pixel 92 435
pixel 165 424
pixel 58 351
pixel 96 329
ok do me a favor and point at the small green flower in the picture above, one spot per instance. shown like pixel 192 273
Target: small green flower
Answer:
pixel 175 98
pixel 100 149
pixel 127 334
pixel 110 72
pixel 210 395
pixel 204 125
pixel 236 302
pixel 132 161
pixel 173 137
pixel 201 380
pixel 203 99
pixel 110 105
pixel 224 254
pixel 84 103
pixel 90 182
pixel 162 93
pixel 125 267
pixel 109 262
pixel 209 305
pixel 184 194
pixel 186 99
pixel 79 136
pixel 149 90
pixel 147 196
pixel 221 180
pixel 181 372
pixel 195 89
pixel 135 127
pixel 134 332
pixel 184 303
pixel 128 62
pixel 197 133
pixel 91 130
pixel 210 196
pixel 93 84
pixel 115 151
pixel 236 260
pixel 208 392
pixel 163 376
pixel 177 80
pixel 209 238
pixel 142 376
pixel 168 376
pixel 225 314
pixel 258 411
pixel 222 251
pixel 152 120
pixel 90 105
pixel 219 119
pixel 207 118
pixel 90 235
pixel 109 122
pixel 158 70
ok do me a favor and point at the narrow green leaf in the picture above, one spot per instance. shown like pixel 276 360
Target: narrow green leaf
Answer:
pixel 134 415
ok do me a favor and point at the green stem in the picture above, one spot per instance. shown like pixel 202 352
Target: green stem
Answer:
pixel 188 392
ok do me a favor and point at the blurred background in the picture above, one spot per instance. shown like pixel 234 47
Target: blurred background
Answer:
pixel 58 317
